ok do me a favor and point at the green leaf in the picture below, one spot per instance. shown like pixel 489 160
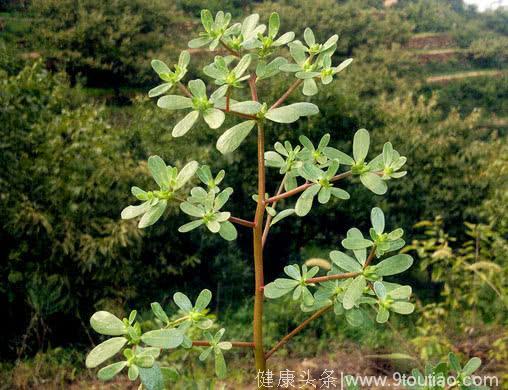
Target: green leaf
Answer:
pixel 374 183
pixel 308 36
pixel 203 300
pixel 214 118
pixel 284 114
pixel 104 351
pixel 345 262
pixel 324 195
pixel 361 142
pixel 213 226
pixel 159 90
pixel 232 138
pixel 197 88
pixel 133 372
pixel 163 338
pixel 199 42
pixel 190 226
pixel 273 25
pixel 356 243
pixel 109 372
pixel 159 171
pixel 182 127
pixel 382 315
pixel 183 302
pixel 394 265
pixel 304 202
pixel 186 174
pixel 402 292
pixel 339 193
pixel 284 283
pixel 402 307
pixel 281 215
pixel 249 107
pixel 305 109
pixel 159 312
pixel 206 19
pixel 284 39
pixel 204 355
pixel 220 365
pixel 354 292
pixel 380 290
pixel 271 291
pixel 174 102
pixel 228 231
pixel 242 65
pixel 160 67
pixel 454 362
pixel 192 210
pixel 153 214
pixel 343 65
pixel 293 271
pixel 106 323
pixel 355 317
pixel 378 220
pixel 471 366
pixel 309 87
pixel 153 378
pixel 144 360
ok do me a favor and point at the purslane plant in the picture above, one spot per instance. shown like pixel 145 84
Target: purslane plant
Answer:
pixel 356 283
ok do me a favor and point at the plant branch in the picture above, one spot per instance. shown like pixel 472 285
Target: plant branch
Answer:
pixel 297 330
pixel 240 114
pixel 257 323
pixel 303 187
pixel 184 90
pixel 370 257
pixel 320 279
pixel 290 90
pixel 252 85
pixel 269 217
pixel 242 222
pixel 238 344
pixel 229 49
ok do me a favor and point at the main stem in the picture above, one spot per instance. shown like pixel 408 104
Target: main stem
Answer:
pixel 258 256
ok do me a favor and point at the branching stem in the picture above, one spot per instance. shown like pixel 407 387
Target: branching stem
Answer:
pixel 237 344
pixel 320 279
pixel 269 217
pixel 297 330
pixel 290 90
pixel 242 222
pixel 370 257
pixel 229 49
pixel 303 187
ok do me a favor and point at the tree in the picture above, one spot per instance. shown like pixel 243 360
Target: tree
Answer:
pixel 108 41
pixel 355 284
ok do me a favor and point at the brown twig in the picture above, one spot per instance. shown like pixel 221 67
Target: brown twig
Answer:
pixel 303 187
pixel 370 257
pixel 242 222
pixel 230 50
pixel 184 90
pixel 240 114
pixel 320 279
pixel 269 217
pixel 238 344
pixel 252 85
pixel 298 329
pixel 286 94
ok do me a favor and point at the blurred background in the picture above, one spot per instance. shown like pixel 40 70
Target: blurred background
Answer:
pixel 77 127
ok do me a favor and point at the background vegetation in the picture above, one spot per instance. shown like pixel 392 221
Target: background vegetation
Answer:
pixel 77 128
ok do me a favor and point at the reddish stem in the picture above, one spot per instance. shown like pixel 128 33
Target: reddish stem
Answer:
pixel 242 222
pixel 286 94
pixel 238 344
pixel 303 187
pixel 297 330
pixel 320 279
